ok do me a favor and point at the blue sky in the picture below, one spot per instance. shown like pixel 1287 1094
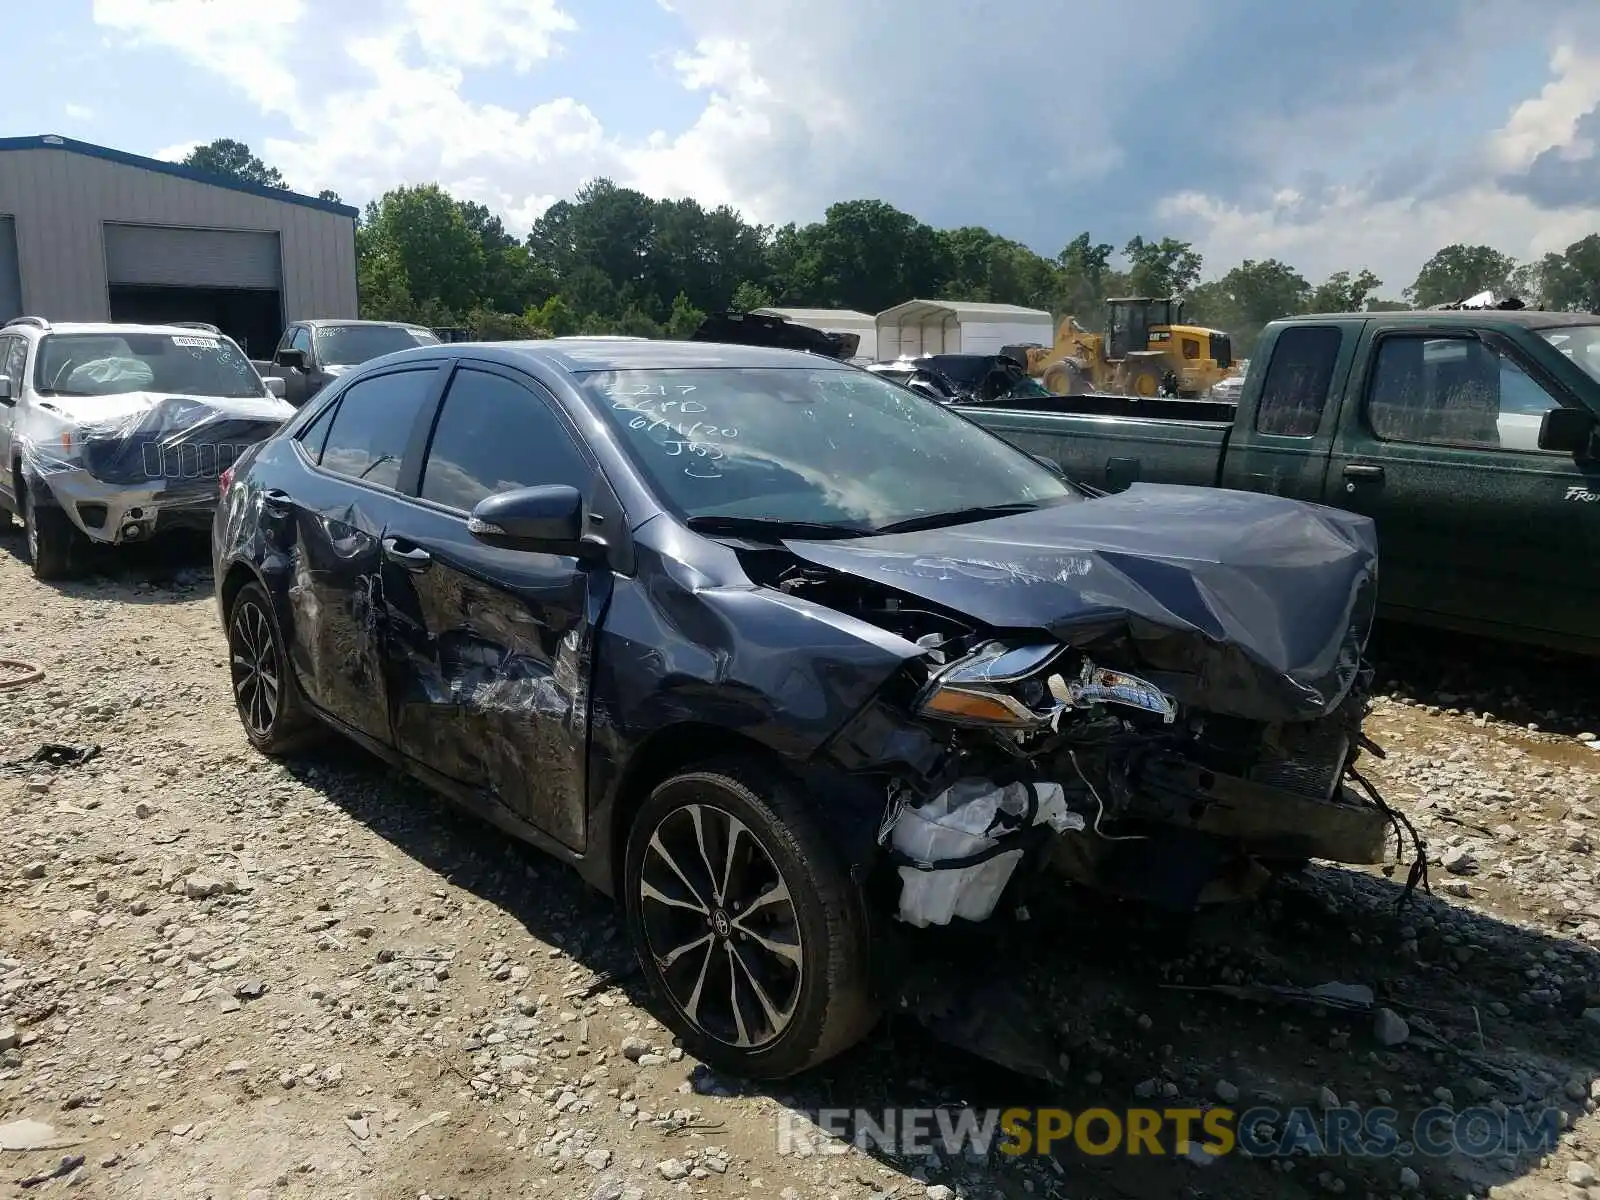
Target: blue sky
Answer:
pixel 1362 133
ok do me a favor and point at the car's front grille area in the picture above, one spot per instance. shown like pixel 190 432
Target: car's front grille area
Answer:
pixel 181 458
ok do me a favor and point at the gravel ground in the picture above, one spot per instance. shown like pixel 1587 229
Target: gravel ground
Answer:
pixel 225 977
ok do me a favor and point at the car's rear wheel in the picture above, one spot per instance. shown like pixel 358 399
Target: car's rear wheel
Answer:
pixel 746 924
pixel 54 543
pixel 265 694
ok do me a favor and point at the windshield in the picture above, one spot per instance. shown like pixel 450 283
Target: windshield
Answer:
pixel 347 345
pixel 112 364
pixel 834 447
pixel 1580 343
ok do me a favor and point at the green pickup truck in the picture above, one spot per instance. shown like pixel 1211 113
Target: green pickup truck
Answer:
pixel 1469 436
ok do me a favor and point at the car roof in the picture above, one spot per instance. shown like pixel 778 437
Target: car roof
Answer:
pixel 578 356
pixel 110 327
pixel 1527 318
pixel 332 322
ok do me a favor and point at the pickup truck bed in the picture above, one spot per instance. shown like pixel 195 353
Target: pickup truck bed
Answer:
pixel 1469 436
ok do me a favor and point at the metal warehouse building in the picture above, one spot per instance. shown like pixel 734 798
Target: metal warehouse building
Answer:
pixel 91 234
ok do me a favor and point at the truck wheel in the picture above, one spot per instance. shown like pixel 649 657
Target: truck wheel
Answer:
pixel 748 927
pixel 54 543
pixel 265 694
pixel 1144 381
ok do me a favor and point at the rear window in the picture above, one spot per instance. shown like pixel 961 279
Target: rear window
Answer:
pixel 1295 391
pixel 113 364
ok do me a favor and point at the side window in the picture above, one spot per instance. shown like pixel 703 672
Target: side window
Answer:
pixel 301 340
pixel 1295 390
pixel 1191 347
pixel 314 434
pixel 494 435
pixel 367 439
pixel 283 342
pixel 13 354
pixel 1454 391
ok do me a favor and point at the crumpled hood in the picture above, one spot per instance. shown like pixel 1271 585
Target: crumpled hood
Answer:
pixel 1238 603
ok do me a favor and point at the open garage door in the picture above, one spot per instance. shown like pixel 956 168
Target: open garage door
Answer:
pixel 10 275
pixel 232 278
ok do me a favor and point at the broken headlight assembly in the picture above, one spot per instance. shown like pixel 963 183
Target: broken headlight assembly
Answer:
pixel 1008 687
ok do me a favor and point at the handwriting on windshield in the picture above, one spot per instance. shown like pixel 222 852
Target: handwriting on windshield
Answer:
pixel 666 411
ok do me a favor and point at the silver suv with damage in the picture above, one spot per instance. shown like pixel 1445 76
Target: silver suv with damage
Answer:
pixel 110 433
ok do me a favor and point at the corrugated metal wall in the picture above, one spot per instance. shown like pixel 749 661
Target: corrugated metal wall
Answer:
pixel 61 200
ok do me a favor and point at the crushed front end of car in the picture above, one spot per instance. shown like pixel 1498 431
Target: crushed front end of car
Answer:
pixel 1159 694
pixel 126 465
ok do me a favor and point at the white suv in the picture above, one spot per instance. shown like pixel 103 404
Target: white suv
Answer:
pixel 111 432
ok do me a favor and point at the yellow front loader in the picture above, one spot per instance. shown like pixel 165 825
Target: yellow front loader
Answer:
pixel 1145 351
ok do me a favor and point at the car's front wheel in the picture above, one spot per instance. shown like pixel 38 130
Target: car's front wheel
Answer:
pixel 265 694
pixel 746 924
pixel 54 543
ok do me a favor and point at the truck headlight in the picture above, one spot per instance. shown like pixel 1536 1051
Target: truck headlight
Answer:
pixel 996 686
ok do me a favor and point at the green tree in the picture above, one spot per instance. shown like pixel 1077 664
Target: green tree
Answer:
pixel 235 160
pixel 555 315
pixel 423 233
pixel 1165 268
pixel 1570 281
pixel 1343 292
pixel 748 297
pixel 684 318
pixel 330 195
pixel 1459 271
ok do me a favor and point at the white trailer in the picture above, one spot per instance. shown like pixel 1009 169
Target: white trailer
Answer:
pixel 958 327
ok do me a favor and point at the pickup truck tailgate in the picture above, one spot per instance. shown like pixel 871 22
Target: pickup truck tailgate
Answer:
pixel 1113 452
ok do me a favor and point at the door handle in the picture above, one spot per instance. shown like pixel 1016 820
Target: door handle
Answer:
pixel 276 501
pixel 413 559
pixel 1363 471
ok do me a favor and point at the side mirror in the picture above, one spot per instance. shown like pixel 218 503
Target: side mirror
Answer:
pixel 6 397
pixel 293 358
pixel 1570 430
pixel 275 386
pixel 547 519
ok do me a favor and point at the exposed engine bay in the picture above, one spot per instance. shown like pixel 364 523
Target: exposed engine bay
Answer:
pixel 1004 751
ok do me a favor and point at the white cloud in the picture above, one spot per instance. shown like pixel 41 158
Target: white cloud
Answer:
pixel 805 102
pixel 79 112
pixel 1550 119
pixel 488 32
pixel 244 41
pixel 176 152
pixel 1351 229
pixel 1352 225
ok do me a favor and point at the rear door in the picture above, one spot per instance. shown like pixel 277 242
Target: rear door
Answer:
pixel 13 356
pixel 490 648
pixel 1283 448
pixel 327 514
pixel 1474 525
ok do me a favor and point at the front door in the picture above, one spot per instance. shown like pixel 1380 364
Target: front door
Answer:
pixel 490 648
pixel 1476 524
pixel 327 512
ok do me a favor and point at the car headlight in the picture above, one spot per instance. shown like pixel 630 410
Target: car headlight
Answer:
pixel 995 686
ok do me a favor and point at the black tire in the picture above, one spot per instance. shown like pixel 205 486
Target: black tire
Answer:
pixel 54 544
pixel 265 694
pixel 817 986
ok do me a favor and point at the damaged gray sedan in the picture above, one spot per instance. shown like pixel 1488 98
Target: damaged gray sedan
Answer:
pixel 792 659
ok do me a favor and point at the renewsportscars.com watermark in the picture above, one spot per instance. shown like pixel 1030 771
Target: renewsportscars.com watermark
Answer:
pixel 1259 1132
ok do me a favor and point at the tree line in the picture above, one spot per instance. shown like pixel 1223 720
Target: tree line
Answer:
pixel 613 260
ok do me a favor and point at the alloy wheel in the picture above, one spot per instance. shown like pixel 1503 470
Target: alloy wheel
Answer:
pixel 30 525
pixel 721 926
pixel 254 667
